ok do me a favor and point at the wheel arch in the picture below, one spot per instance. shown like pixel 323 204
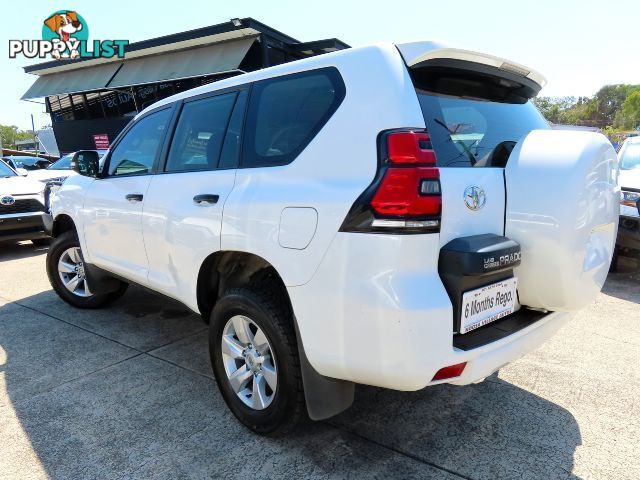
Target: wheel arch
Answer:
pixel 228 269
pixel 62 223
pixel 324 397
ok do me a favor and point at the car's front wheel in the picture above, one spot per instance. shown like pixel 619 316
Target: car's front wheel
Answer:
pixel 255 360
pixel 67 276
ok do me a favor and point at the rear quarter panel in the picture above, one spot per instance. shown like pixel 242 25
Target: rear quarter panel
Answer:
pixel 333 170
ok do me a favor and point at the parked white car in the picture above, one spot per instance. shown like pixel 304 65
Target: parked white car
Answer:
pixel 398 215
pixel 628 241
pixel 25 162
pixel 21 207
pixel 59 170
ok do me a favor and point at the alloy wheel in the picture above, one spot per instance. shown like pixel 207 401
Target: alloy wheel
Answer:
pixel 72 273
pixel 249 362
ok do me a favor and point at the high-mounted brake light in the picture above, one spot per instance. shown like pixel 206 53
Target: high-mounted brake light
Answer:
pixel 405 196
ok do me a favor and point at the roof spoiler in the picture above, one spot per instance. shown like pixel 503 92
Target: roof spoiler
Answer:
pixel 434 56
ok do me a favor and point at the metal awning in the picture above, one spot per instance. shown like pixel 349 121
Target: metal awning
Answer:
pixel 72 81
pixel 194 62
pixel 183 64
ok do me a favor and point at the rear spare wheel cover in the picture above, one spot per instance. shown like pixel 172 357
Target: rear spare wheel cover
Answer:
pixel 562 207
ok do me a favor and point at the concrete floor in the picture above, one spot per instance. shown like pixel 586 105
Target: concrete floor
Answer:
pixel 127 392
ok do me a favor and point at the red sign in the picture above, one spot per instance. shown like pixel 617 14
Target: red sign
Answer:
pixel 101 141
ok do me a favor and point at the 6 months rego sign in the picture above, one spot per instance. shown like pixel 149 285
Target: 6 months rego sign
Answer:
pixel 488 304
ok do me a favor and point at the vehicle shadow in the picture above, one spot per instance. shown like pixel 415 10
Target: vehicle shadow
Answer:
pixel 625 282
pixel 18 250
pixel 85 400
pixel 489 430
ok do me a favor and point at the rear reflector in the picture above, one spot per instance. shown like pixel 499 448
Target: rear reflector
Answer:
pixel 451 371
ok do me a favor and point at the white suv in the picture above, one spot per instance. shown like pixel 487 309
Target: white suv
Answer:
pixel 393 215
pixel 22 207
pixel 628 241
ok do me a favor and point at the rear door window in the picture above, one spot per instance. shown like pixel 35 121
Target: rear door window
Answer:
pixel 230 154
pixel 476 133
pixel 200 132
pixel 285 113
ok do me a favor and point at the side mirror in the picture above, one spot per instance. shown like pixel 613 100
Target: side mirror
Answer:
pixel 22 172
pixel 86 162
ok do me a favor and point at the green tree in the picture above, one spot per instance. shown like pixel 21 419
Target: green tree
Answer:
pixel 10 134
pixel 552 107
pixel 631 111
pixel 610 99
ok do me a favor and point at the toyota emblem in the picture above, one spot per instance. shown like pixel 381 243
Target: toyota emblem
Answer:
pixel 474 197
pixel 7 200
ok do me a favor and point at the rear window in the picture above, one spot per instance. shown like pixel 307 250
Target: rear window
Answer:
pixel 285 113
pixel 476 133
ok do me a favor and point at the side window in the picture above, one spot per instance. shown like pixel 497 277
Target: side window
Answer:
pixel 286 113
pixel 200 133
pixel 136 153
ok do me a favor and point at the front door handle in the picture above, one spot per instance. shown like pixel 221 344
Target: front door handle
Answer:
pixel 206 198
pixel 134 197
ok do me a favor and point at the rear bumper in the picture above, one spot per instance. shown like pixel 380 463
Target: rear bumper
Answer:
pixel 388 322
pixel 483 361
pixel 629 233
pixel 22 226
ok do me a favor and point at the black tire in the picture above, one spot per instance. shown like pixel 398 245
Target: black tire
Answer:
pixel 57 248
pixel 41 242
pixel 271 313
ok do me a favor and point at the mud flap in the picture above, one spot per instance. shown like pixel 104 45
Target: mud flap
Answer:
pixel 100 280
pixel 325 397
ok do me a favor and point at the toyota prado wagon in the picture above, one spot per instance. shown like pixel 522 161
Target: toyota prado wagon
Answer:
pixel 398 215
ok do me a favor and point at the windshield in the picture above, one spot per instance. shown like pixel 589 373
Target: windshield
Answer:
pixel 476 133
pixel 5 171
pixel 63 164
pixel 630 158
pixel 22 161
pixel 29 163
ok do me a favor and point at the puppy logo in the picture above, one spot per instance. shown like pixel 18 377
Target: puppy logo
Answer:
pixel 66 25
pixel 65 35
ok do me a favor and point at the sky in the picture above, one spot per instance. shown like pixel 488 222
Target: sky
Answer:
pixel 578 45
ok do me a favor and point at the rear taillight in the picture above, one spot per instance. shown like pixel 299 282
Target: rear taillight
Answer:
pixel 412 148
pixel 408 192
pixel 405 196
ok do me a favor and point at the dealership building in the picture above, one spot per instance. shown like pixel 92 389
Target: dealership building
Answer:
pixel 91 100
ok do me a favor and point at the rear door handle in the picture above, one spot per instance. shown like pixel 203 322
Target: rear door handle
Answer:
pixel 206 198
pixel 134 197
